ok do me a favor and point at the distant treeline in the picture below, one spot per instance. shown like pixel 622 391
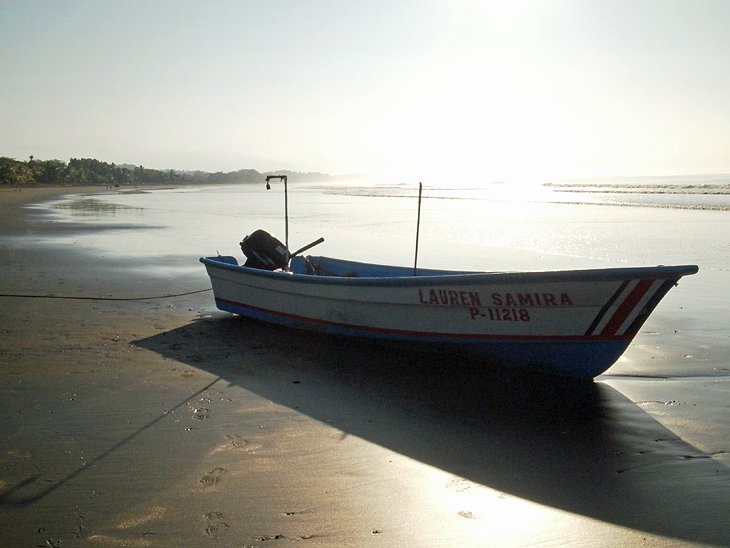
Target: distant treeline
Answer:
pixel 87 171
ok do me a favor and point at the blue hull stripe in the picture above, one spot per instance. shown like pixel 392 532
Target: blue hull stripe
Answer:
pixel 573 356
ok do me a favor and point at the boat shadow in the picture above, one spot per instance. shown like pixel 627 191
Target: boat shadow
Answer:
pixel 578 446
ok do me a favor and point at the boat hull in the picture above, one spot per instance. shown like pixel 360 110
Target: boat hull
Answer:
pixel 574 323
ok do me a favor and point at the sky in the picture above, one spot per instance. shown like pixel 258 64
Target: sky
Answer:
pixel 504 90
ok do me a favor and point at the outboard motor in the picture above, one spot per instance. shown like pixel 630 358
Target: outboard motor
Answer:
pixel 264 251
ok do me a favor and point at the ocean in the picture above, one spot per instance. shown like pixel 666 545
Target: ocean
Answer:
pixel 497 226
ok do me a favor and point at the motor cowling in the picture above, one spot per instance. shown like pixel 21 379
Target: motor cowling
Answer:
pixel 264 251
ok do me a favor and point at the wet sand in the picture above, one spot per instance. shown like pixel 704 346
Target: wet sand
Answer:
pixel 163 422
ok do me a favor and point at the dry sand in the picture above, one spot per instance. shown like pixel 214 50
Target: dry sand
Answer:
pixel 166 423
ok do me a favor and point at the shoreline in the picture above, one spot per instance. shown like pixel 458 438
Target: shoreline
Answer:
pixel 25 195
pixel 166 422
pixel 28 194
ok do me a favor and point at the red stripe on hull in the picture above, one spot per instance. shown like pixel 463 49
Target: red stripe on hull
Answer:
pixel 421 334
pixel 626 307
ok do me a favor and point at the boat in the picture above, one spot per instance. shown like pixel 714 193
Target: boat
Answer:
pixel 573 323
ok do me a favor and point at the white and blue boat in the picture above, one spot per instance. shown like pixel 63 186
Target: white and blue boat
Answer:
pixel 573 323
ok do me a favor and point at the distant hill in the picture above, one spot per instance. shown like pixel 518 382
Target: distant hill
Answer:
pixel 304 177
pixel 87 171
pixel 252 176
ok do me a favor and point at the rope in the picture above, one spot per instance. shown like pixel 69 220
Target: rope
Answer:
pixel 78 298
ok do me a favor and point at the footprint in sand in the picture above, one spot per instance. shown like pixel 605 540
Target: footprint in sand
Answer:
pixel 213 477
pixel 237 441
pixel 200 413
pixel 214 524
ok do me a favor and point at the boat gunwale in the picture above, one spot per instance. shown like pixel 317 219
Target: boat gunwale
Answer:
pixel 463 278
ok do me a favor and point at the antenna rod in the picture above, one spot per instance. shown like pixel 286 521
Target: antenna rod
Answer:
pixel 286 207
pixel 418 228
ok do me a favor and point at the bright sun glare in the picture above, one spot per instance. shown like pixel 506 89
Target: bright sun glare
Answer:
pixel 479 105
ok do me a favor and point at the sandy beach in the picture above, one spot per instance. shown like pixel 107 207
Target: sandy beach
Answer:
pixel 163 422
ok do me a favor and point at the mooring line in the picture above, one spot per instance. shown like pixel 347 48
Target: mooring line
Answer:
pixel 97 298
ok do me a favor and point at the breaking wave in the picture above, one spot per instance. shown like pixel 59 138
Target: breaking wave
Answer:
pixel 706 192
pixel 698 192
